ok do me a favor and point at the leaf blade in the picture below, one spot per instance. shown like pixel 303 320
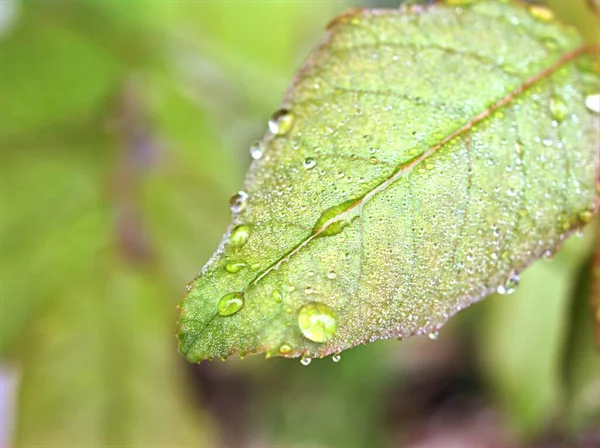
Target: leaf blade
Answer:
pixel 414 170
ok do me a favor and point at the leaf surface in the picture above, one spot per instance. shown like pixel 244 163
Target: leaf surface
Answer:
pixel 422 158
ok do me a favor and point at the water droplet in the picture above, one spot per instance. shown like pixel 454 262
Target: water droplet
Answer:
pixel 309 163
pixel 558 108
pixel 433 335
pixel 238 201
pixel 592 102
pixel 308 290
pixel 230 304
pixel 373 160
pixel 509 286
pixel 239 235
pixel 305 361
pixel 336 358
pixel 550 43
pixel 235 266
pixel 281 122
pixel 277 296
pixel 317 322
pixel 285 348
pixel 256 150
pixel 541 13
pixel 331 275
pixel 586 216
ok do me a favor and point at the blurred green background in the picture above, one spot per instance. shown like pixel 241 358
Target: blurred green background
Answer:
pixel 124 129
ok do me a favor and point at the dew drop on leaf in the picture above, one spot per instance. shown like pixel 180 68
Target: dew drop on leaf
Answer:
pixel 277 296
pixel 230 304
pixel 331 275
pixel 317 322
pixel 256 150
pixel 509 286
pixel 239 235
pixel 336 358
pixel 558 108
pixel 238 201
pixel 309 163
pixel 586 216
pixel 235 266
pixel 305 361
pixel 282 122
pixel 285 348
pixel 541 13
pixel 433 335
pixel 592 102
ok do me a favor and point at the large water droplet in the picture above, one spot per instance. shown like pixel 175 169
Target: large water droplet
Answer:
pixel 239 235
pixel 305 361
pixel 317 322
pixel 309 163
pixel 558 108
pixel 336 358
pixel 238 201
pixel 235 266
pixel 510 285
pixel 277 296
pixel 256 150
pixel 282 122
pixel 592 102
pixel 230 304
pixel 541 13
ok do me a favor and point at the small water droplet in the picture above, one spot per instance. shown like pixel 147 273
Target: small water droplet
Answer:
pixel 308 290
pixel 549 255
pixel 235 266
pixel 373 160
pixel 558 108
pixel 433 335
pixel 239 235
pixel 331 275
pixel 285 348
pixel 277 296
pixel 305 361
pixel 586 216
pixel 579 233
pixel 317 322
pixel 510 285
pixel 336 358
pixel 541 13
pixel 282 122
pixel 592 102
pixel 309 163
pixel 256 150
pixel 238 201
pixel 230 304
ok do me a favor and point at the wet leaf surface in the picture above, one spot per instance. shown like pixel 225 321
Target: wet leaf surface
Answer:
pixel 422 158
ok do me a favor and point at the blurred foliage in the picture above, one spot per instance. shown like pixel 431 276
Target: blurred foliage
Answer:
pixel 124 128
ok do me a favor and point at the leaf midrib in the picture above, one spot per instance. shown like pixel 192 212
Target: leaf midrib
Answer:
pixel 405 167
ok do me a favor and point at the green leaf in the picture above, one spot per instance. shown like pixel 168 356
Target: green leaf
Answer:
pixel 50 75
pixel 522 338
pixel 422 158
pixel 100 373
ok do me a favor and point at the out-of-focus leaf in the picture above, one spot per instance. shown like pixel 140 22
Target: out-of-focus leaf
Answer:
pixel 522 338
pixel 51 75
pixel 579 13
pixel 100 371
pixel 411 171
pixel 581 359
pixel 55 183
